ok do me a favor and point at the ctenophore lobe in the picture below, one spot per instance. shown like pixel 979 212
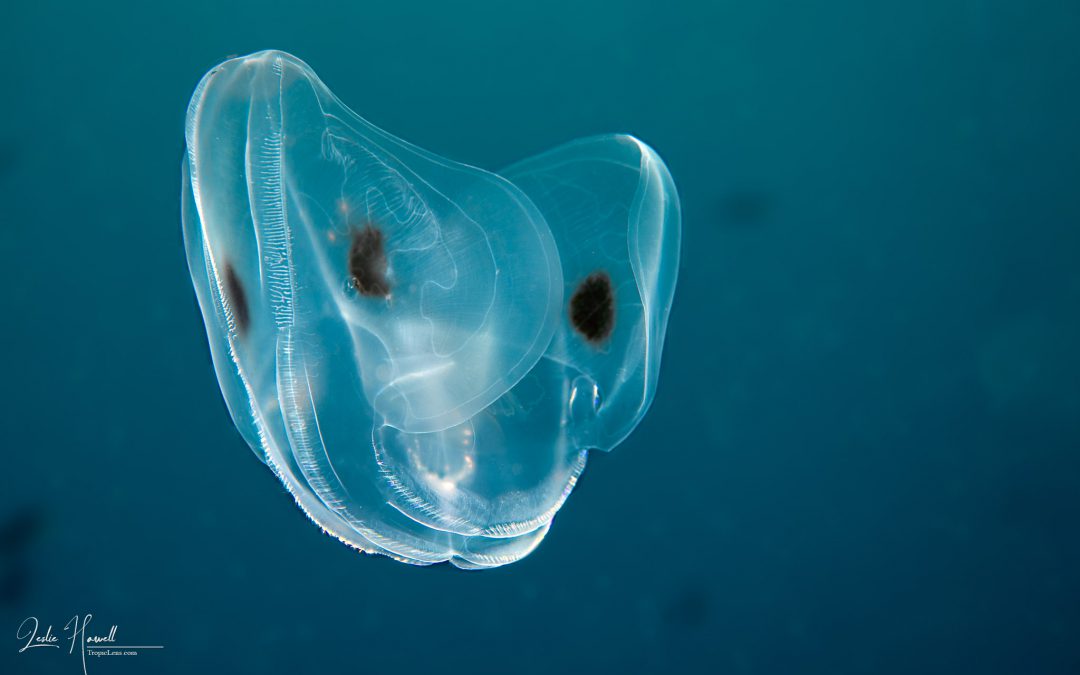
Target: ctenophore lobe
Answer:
pixel 422 351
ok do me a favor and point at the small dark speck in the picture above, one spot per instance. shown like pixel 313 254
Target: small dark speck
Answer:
pixel 367 263
pixel 237 299
pixel 15 582
pixel 19 530
pixel 690 608
pixel 744 208
pixel 592 307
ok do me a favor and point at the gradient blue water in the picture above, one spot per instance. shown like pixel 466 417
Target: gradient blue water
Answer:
pixel 863 455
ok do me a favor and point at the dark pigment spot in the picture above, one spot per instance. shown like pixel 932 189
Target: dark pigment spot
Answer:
pixel 234 290
pixel 592 307
pixel 367 263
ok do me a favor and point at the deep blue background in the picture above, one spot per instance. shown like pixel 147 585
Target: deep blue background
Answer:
pixel 864 456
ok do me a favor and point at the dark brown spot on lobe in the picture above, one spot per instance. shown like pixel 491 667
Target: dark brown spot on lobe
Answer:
pixel 592 307
pixel 237 299
pixel 367 263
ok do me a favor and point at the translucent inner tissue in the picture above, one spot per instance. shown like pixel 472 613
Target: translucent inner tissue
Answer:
pixel 423 352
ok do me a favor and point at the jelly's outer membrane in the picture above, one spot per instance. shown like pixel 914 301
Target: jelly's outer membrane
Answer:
pixel 448 415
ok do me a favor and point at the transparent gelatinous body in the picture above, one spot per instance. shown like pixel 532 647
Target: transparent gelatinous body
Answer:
pixel 424 352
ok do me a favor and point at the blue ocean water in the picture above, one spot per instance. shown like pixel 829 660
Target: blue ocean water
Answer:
pixel 863 453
